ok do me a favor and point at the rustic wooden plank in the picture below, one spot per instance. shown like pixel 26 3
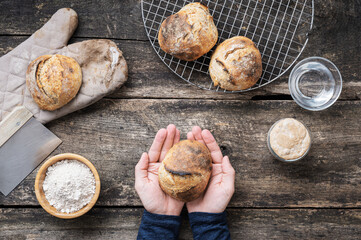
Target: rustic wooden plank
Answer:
pixel 335 36
pixel 122 19
pixel 123 223
pixel 104 19
pixel 150 78
pixel 113 134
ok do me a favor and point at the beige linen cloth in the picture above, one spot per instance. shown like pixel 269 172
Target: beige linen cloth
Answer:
pixel 103 67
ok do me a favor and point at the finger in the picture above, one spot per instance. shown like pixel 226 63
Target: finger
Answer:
pixel 190 136
pixel 177 136
pixel 141 169
pixel 228 174
pixel 197 133
pixel 155 149
pixel 212 145
pixel 169 140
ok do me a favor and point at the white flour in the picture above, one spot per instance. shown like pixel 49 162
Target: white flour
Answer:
pixel 69 185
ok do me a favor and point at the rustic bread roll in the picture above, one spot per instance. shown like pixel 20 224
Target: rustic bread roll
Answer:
pixel 185 170
pixel 53 80
pixel 236 64
pixel 188 34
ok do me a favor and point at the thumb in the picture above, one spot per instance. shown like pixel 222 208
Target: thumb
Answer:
pixel 56 33
pixel 228 173
pixel 141 169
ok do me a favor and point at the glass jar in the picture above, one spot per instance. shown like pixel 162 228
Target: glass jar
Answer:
pixel 282 142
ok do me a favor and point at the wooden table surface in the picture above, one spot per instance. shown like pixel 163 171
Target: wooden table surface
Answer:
pixel 317 198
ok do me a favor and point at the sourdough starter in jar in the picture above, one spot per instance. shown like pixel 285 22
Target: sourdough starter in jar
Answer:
pixel 289 140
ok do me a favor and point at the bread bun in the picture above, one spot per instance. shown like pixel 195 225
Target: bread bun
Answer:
pixel 236 64
pixel 188 34
pixel 53 80
pixel 185 170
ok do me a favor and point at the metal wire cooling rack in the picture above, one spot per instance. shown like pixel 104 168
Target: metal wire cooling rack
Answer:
pixel 278 27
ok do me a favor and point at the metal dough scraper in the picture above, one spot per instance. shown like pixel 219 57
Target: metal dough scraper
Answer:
pixel 24 144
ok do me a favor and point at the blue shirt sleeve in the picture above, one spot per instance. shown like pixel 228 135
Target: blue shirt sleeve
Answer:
pixel 155 226
pixel 209 226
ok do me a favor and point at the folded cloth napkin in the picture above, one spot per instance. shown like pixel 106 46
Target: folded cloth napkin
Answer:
pixel 103 67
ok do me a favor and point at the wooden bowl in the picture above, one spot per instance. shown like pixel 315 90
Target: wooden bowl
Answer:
pixel 40 179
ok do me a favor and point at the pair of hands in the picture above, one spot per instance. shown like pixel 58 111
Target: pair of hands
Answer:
pixel 220 187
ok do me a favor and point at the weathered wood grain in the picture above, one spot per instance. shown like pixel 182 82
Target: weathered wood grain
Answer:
pixel 113 134
pixel 335 36
pixel 102 19
pixel 122 19
pixel 150 78
pixel 123 223
pixel 115 131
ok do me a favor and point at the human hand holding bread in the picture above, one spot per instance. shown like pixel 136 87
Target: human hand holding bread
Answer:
pixel 189 174
pixel 146 175
pixel 221 184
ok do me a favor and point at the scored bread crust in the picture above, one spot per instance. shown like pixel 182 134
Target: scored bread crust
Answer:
pixel 185 171
pixel 53 80
pixel 188 34
pixel 236 64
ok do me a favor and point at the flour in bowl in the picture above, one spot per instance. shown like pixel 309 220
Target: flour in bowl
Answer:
pixel 69 185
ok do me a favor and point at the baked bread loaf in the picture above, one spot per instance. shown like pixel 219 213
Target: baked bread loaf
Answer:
pixel 53 80
pixel 188 34
pixel 185 170
pixel 236 64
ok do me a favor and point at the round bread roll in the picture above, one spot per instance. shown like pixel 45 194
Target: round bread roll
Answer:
pixel 236 64
pixel 53 80
pixel 185 171
pixel 188 34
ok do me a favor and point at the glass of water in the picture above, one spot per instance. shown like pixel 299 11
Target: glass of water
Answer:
pixel 315 83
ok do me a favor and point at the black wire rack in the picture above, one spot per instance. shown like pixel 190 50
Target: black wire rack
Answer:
pixel 279 28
